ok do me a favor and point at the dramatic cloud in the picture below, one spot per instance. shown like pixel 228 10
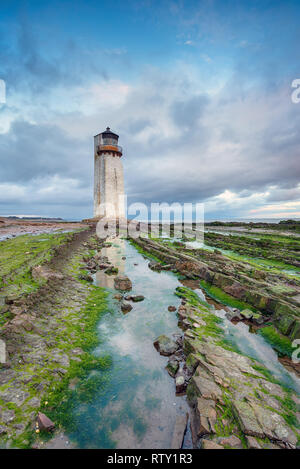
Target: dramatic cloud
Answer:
pixel 218 133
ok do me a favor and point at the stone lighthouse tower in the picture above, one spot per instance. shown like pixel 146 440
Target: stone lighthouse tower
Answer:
pixel 108 177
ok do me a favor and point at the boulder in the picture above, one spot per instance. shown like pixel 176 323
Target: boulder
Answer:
pixel 233 316
pixel 171 309
pixel 153 265
pixel 122 283
pixel 284 324
pixel 258 318
pixel 126 307
pixel 192 361
pixel 137 298
pixel 273 425
pixel 165 346
pixel 134 298
pixel 44 423
pixel 247 313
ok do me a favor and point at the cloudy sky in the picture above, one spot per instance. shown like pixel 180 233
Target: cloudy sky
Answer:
pixel 199 92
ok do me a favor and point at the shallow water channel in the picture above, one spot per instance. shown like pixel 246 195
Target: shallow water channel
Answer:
pixel 137 406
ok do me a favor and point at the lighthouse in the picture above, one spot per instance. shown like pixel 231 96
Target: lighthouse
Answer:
pixel 108 177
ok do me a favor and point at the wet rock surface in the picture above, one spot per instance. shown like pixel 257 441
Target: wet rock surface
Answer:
pixel 165 346
pixel 179 431
pixel 44 423
pixel 235 401
pixel 228 383
pixel 126 307
pixel 122 283
pixel 134 298
pixel 271 295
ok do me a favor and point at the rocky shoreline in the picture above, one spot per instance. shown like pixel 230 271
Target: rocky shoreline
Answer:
pixel 235 402
pixel 48 330
pixel 274 297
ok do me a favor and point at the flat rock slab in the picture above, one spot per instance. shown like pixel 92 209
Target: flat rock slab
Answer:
pixel 208 444
pixel 179 431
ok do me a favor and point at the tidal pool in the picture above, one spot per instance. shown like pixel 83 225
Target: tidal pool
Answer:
pixel 135 405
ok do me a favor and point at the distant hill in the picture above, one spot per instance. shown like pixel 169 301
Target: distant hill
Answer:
pixel 15 217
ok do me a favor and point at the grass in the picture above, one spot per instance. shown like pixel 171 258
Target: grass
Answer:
pixel 280 343
pixel 19 255
pixel 91 373
pixel 219 295
pixel 271 265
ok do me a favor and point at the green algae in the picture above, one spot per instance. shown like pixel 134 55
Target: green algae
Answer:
pixel 190 296
pixel 219 295
pixel 92 371
pixel 280 343
pixel 144 252
pixel 19 255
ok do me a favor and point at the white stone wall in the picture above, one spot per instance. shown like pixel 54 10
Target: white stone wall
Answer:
pixel 108 186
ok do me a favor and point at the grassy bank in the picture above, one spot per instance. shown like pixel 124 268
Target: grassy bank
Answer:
pixel 19 255
pixel 219 295
pixel 280 343
pixel 55 353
